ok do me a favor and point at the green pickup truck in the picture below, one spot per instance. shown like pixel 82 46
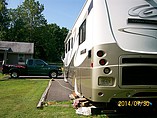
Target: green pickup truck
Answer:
pixel 32 67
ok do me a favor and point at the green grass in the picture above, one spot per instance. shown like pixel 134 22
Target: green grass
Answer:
pixel 19 98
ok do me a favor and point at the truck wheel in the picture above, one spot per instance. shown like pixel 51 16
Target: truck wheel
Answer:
pixel 53 74
pixel 14 74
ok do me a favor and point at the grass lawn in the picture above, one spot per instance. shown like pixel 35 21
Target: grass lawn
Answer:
pixel 19 98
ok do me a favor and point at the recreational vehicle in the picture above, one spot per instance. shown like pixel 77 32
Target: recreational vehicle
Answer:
pixel 111 52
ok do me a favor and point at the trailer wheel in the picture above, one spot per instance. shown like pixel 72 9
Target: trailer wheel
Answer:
pixel 53 74
pixel 14 74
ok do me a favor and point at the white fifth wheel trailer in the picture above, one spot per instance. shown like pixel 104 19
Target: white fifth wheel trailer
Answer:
pixel 111 52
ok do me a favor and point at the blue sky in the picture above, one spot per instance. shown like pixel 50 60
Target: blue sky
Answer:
pixel 61 12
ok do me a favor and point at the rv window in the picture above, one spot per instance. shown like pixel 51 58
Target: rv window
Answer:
pixel 72 43
pixel 66 48
pixel 69 45
pixel 82 32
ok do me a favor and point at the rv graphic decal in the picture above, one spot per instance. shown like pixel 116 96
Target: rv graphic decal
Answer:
pixel 144 11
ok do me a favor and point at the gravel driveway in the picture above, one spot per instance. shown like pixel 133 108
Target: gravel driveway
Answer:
pixel 59 91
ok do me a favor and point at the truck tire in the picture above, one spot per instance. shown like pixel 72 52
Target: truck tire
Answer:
pixel 53 74
pixel 14 74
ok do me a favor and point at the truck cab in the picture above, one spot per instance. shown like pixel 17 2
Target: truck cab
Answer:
pixel 32 67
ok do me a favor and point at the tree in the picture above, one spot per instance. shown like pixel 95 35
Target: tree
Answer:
pixel 49 43
pixel 25 19
pixel 17 30
pixel 4 20
pixel 31 12
pixel 29 25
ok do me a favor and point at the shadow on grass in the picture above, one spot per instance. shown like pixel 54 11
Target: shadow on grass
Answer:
pixel 39 77
pixel 4 77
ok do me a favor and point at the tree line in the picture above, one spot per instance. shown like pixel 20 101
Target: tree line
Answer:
pixel 26 23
